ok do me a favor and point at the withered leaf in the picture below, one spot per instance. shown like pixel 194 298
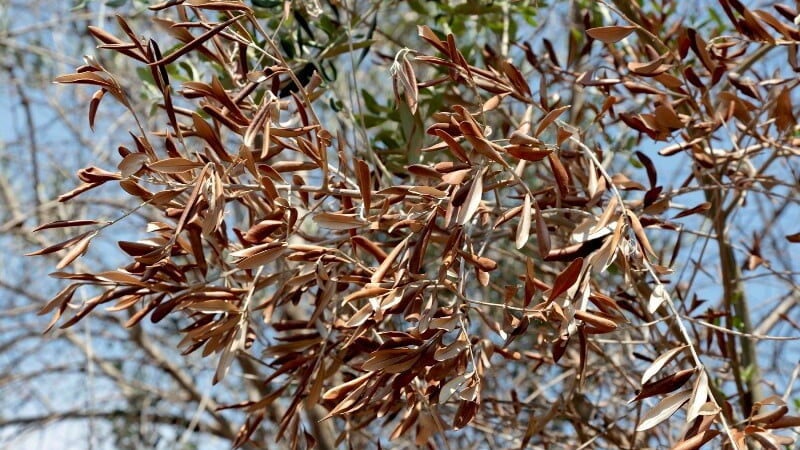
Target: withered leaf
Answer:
pixel 701 208
pixel 700 393
pixel 527 153
pixel 524 226
pixel 657 297
pixel 131 163
pixel 259 255
pixel 567 278
pixel 473 200
pixel 366 292
pixel 62 245
pixel 784 113
pixel 68 223
pixel 610 35
pixel 638 231
pixel 549 118
pixel 663 410
pixel 174 165
pixel 339 221
pixel 452 386
pixel 665 385
pixel 659 363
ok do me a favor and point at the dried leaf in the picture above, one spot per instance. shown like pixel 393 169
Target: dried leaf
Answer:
pixel 473 199
pixel 701 208
pixel 452 386
pixel 610 35
pixel 252 258
pixel 657 297
pixel 364 184
pixel 451 351
pixel 94 103
pixel 132 163
pixel 638 231
pixel 77 250
pixel 524 226
pixel 527 153
pixel 663 410
pixel 549 118
pixel 61 245
pixel 68 223
pixel 174 165
pixel 660 362
pixel 665 385
pixel 784 115
pixel 567 278
pixel 338 221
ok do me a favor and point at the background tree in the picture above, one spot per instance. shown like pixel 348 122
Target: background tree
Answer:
pixel 530 228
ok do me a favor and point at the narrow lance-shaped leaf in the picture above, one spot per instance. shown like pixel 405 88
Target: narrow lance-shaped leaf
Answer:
pixel 566 278
pixel 657 297
pixel 524 227
pixel 663 410
pixel 699 396
pixel 660 362
pixel 77 250
pixel 473 199
pixel 610 35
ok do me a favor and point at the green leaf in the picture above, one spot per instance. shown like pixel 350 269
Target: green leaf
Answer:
pixel 370 102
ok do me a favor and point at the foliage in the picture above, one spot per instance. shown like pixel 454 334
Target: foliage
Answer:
pixel 470 251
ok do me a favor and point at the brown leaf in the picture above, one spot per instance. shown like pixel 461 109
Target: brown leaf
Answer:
pixel 784 115
pixel 174 165
pixel 473 200
pixel 364 184
pixel 131 163
pixel 196 42
pixel 77 250
pixel 90 78
pixel 524 226
pixel 393 360
pixel 657 297
pixel 527 153
pixel 259 255
pixel 68 223
pixel 598 323
pixel 663 410
pixel 565 279
pixel 665 385
pixel 381 271
pixel 659 363
pixel 62 245
pixel 701 208
pixel 366 292
pixel 339 221
pixel 638 231
pixel 93 104
pixel 453 145
pixel 611 34
pixel 549 118
pixel 559 173
pixel 465 413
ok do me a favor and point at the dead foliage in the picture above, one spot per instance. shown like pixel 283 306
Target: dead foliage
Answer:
pixel 398 303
